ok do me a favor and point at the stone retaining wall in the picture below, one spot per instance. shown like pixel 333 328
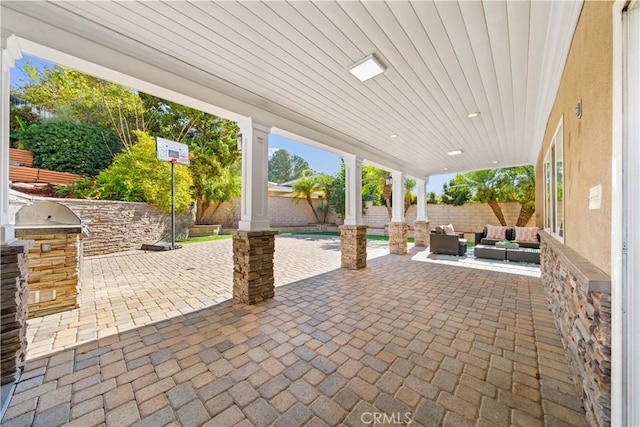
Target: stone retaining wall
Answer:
pixel 579 295
pixel 118 226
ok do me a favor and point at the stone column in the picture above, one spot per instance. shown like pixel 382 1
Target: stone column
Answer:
pixel 10 52
pixel 253 266
pixel 13 340
pixel 253 243
pixel 397 227
pixel 353 234
pixel 421 226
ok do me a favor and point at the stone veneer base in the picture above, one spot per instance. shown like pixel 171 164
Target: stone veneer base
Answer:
pixel 13 340
pixel 54 272
pixel 579 296
pixel 421 233
pixel 398 238
pixel 253 280
pixel 353 246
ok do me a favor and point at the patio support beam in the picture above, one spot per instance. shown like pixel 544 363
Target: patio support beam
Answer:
pixel 254 242
pixel 397 227
pixel 10 53
pixel 421 226
pixel 353 234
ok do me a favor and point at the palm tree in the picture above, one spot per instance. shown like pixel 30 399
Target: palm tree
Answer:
pixel 486 185
pixel 325 184
pixel 305 187
pixel 374 182
pixel 408 193
pixel 523 182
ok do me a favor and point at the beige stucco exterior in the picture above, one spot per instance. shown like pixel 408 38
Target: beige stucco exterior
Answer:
pixel 587 140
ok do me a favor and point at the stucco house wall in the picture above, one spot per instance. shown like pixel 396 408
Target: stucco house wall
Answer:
pixel 587 140
pixel 576 272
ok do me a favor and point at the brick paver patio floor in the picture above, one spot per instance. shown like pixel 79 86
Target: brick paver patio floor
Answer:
pixel 156 341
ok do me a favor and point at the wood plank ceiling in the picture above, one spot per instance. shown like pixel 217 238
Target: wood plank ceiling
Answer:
pixel 443 60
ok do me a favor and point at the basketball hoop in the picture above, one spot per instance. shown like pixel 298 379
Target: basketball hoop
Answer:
pixel 174 160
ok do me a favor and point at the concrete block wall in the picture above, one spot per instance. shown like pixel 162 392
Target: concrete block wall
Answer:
pixel 467 218
pixel 283 211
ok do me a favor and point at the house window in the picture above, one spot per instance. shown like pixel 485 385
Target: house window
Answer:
pixel 554 186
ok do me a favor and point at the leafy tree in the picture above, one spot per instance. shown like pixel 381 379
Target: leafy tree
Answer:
pixel 21 118
pixel 137 176
pixel 337 195
pixel 305 187
pixel 454 193
pixel 299 166
pixel 284 167
pixel 432 200
pixel 280 167
pixel 72 95
pixel 69 147
pixel 212 149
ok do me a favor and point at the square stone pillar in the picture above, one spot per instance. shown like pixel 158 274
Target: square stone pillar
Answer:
pixel 398 238
pixel 353 243
pixel 253 265
pixel 421 233
pixel 13 340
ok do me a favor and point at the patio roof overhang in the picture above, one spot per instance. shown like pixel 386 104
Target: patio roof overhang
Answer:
pixel 287 64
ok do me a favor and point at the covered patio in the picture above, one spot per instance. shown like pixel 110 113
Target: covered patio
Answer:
pixel 418 341
pixel 461 86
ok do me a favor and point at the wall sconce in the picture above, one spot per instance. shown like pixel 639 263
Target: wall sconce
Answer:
pixel 388 180
pixel 239 142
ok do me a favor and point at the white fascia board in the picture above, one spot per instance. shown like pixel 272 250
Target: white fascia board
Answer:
pixel 40 39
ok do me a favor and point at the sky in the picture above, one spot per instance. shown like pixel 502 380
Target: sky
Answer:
pixel 319 160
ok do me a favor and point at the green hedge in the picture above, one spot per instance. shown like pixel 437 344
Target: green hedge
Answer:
pixel 69 147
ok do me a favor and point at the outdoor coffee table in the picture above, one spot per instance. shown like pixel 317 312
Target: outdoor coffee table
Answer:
pixel 490 251
pixel 524 255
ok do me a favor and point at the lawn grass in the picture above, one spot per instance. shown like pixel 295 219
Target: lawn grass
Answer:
pixel 315 233
pixel 336 233
pixel 205 238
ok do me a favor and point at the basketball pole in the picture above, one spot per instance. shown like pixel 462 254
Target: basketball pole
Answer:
pixel 173 205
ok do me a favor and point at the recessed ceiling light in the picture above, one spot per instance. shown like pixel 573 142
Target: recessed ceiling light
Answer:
pixel 454 152
pixel 366 68
pixel 495 162
pixel 474 114
pixel 445 169
pixel 394 135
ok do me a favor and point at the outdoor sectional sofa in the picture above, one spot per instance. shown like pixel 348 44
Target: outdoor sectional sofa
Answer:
pixel 526 250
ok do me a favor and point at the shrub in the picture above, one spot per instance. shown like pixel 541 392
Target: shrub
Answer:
pixel 137 176
pixel 69 147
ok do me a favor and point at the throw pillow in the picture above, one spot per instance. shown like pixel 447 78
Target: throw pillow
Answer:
pixel 495 232
pixel 448 230
pixel 527 234
pixel 439 229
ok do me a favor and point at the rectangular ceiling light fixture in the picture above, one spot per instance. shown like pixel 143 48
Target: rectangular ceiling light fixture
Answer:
pixel 366 68
pixel 454 152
